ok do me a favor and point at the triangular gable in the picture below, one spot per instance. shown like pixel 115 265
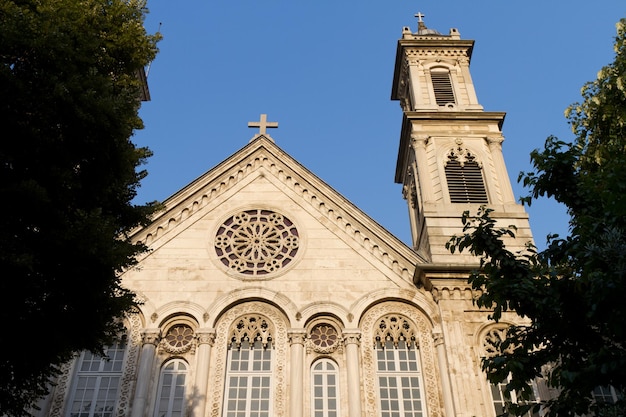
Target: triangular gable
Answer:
pixel 262 157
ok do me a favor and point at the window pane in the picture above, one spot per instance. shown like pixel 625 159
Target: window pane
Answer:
pixel 97 382
pixel 324 379
pixel 399 381
pixel 249 381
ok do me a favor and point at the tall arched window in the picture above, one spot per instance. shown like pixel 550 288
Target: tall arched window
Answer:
pixel 324 389
pixel 442 86
pixel 97 383
pixel 171 393
pixel 249 368
pixel 500 395
pixel 398 368
pixel 464 177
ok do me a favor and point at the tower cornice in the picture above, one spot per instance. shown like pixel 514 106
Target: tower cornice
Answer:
pixel 438 117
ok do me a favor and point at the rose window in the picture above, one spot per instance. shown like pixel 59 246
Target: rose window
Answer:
pixel 257 242
pixel 179 336
pixel 324 336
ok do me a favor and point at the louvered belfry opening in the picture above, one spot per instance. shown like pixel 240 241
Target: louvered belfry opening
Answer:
pixel 465 180
pixel 442 87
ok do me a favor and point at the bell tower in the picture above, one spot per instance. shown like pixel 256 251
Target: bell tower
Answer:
pixel 450 156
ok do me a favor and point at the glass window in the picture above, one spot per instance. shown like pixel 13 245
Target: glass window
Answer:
pixel 605 394
pixel 97 383
pixel 248 380
pixel 325 389
pixel 501 396
pixel 171 394
pixel 398 373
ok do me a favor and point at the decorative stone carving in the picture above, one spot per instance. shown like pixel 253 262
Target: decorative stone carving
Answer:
pixel 394 328
pixel 297 336
pixel 206 337
pixel 462 156
pixel 251 328
pixel 178 339
pixel 418 327
pixel 129 376
pixel 151 337
pixel 255 243
pixel 492 340
pixel 437 338
pixel 323 338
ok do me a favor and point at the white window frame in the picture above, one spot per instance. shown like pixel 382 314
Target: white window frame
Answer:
pixel 326 408
pixel 171 398
pixel 94 376
pixel 257 367
pixel 407 381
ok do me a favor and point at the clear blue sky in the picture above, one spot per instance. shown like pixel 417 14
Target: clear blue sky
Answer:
pixel 323 69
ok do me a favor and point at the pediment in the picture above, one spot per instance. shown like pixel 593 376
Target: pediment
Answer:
pixel 263 165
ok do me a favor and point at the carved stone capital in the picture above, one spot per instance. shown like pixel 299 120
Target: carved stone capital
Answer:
pixel 437 338
pixel 205 336
pixel 420 140
pixel 352 337
pixel 296 336
pixel 495 140
pixel 151 337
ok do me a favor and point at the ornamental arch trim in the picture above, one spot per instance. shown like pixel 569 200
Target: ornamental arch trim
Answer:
pixel 423 329
pixel 226 302
pixel 177 308
pixel 420 300
pixel 487 335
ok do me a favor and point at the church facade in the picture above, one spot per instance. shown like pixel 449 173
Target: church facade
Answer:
pixel 267 293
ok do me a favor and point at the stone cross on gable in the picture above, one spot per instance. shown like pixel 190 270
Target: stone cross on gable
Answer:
pixel 263 124
pixel 420 16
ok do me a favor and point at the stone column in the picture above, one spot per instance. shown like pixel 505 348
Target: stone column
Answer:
pixel 296 341
pixel 205 339
pixel 463 64
pixel 418 143
pixel 495 146
pixel 448 399
pixel 150 339
pixel 351 341
pixel 416 72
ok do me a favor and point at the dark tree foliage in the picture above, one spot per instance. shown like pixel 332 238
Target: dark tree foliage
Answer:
pixel 69 99
pixel 573 292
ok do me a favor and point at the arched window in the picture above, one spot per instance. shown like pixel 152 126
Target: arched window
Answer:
pixel 171 393
pixel 398 368
pixel 442 86
pixel 249 368
pixel 500 395
pixel 97 383
pixel 324 389
pixel 465 178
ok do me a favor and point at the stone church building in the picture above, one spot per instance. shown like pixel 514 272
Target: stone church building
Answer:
pixel 267 293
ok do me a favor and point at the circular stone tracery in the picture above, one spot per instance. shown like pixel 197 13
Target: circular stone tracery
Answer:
pixel 178 338
pixel 324 336
pixel 256 242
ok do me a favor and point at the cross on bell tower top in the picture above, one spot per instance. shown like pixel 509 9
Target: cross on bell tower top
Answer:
pixel 263 125
pixel 420 21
